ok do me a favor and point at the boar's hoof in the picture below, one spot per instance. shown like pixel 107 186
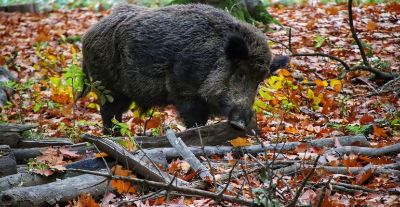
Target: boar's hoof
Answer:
pixel 239 124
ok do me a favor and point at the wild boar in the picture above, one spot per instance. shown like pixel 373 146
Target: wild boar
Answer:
pixel 196 57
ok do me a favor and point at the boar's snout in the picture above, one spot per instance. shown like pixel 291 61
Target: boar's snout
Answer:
pixel 240 117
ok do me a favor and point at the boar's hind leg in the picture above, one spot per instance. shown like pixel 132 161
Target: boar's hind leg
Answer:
pixel 109 110
pixel 193 111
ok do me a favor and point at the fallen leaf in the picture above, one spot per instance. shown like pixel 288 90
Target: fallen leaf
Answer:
pixel 86 200
pixel 365 174
pixel 371 25
pixel 366 119
pixel 240 142
pixel 379 132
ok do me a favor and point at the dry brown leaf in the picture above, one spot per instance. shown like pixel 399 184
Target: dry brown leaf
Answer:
pixel 371 25
pixel 365 174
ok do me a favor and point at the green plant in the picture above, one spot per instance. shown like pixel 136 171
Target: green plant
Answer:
pixel 101 91
pixel 319 40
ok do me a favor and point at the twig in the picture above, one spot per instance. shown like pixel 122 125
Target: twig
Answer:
pixel 345 65
pixel 207 158
pixel 290 40
pixel 366 66
pixel 372 152
pixel 303 184
pixel 227 183
pixel 354 34
pixel 322 195
pixel 388 87
pixel 165 186
pixel 356 187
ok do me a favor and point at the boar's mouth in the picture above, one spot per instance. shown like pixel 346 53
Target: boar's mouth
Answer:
pixel 240 117
pixel 240 124
pixel 237 114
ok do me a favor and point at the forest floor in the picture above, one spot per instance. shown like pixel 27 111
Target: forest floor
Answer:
pixel 314 98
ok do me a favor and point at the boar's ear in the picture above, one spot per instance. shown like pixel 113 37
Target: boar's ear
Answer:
pixel 236 48
pixel 278 62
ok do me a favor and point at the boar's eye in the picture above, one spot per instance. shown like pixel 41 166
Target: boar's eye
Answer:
pixel 241 75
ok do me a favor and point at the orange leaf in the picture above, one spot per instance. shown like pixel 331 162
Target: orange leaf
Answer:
pixel 291 130
pixel 123 186
pixel 379 132
pixel 86 200
pixel 190 176
pixel 332 10
pixel 366 119
pixel 160 201
pixel 61 98
pixel 371 25
pixel 284 72
pixel 240 142
pixel 120 185
pixel 154 122
pixel 101 154
pixel 118 170
pixel 43 37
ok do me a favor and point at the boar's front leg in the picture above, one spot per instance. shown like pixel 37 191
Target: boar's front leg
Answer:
pixel 109 110
pixel 194 111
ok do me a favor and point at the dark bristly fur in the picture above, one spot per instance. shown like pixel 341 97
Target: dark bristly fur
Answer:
pixel 194 56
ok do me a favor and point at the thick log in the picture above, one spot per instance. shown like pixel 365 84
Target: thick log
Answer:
pixel 170 153
pixel 25 179
pixel 44 142
pixel 23 8
pixel 58 192
pixel 8 166
pixel 215 134
pixel 10 138
pixel 23 155
pixel 10 134
pixel 16 127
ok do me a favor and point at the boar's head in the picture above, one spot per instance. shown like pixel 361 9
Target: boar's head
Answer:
pixel 233 85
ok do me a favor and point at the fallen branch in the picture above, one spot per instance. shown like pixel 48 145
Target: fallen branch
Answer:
pixel 371 152
pixel 351 186
pixel 169 187
pixel 131 161
pixel 25 179
pixel 366 66
pixel 54 193
pixel 379 169
pixel 23 155
pixel 214 134
pixel 171 153
pixel 187 155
